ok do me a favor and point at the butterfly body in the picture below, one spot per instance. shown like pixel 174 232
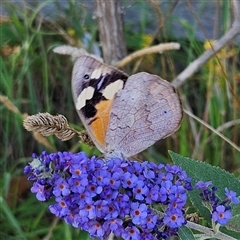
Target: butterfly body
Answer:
pixel 123 115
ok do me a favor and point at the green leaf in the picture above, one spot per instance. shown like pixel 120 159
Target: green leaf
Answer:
pixel 230 233
pixel 185 233
pixel 236 209
pixel 233 224
pixel 200 171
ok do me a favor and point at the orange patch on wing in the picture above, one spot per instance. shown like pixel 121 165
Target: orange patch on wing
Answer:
pixel 100 124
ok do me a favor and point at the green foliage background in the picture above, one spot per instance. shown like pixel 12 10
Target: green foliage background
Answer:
pixel 34 79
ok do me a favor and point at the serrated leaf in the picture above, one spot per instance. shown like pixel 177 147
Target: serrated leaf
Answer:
pixel 185 233
pixel 200 171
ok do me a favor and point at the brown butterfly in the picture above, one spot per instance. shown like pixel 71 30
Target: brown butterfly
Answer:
pixel 123 114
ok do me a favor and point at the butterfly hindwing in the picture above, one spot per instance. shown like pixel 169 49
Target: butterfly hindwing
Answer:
pixel 146 110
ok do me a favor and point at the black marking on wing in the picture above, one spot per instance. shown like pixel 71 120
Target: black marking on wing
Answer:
pixel 89 110
pixel 108 78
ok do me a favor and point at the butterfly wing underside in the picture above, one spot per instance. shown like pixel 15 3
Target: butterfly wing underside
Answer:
pixel 94 86
pixel 146 110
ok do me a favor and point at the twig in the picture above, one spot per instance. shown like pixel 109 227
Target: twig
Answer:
pixel 208 232
pixel 154 49
pixel 212 129
pixel 223 41
pixel 52 227
pixel 74 52
pixel 196 135
pixel 236 10
pixel 223 127
pixel 111 236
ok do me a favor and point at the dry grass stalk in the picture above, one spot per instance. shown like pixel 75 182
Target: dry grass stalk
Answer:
pixel 8 104
pixel 44 141
pixel 47 124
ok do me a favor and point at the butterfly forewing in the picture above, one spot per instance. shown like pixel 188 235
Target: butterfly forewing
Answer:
pixel 94 86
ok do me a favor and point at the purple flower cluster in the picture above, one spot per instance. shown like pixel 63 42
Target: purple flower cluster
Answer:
pixel 130 199
pixel 220 210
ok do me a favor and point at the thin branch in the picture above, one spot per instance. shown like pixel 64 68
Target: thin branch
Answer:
pixel 222 42
pixel 74 52
pixel 51 229
pixel 196 135
pixel 140 53
pixel 236 10
pixel 212 129
pixel 209 232
pixel 222 128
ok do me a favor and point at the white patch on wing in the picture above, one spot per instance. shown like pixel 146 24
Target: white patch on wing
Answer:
pixel 96 74
pixel 110 91
pixel 101 71
pixel 85 95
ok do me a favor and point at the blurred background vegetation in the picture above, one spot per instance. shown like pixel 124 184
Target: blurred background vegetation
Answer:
pixel 34 79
